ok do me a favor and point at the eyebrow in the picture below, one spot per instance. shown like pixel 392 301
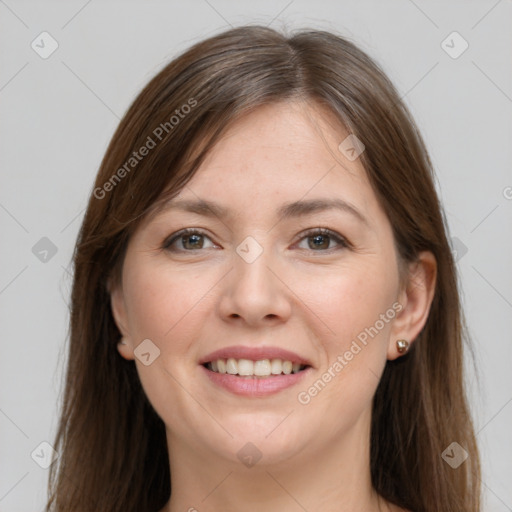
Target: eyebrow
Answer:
pixel 293 209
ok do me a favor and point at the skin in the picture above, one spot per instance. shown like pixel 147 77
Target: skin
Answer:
pixel 295 296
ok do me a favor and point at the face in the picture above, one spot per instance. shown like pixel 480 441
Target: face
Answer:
pixel 263 283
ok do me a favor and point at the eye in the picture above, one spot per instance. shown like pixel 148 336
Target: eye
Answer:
pixel 187 240
pixel 190 239
pixel 320 239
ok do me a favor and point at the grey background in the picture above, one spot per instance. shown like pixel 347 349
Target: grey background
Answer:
pixel 58 114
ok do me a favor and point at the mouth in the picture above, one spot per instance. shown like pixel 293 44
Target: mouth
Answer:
pixel 254 371
pixel 259 369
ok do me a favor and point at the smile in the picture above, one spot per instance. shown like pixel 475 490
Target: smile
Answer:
pixel 254 379
pixel 257 369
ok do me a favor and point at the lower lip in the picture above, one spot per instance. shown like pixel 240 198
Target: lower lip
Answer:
pixel 255 387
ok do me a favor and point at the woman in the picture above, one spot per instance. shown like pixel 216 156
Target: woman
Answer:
pixel 265 313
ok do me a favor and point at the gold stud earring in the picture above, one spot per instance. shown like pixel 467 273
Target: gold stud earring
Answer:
pixel 402 346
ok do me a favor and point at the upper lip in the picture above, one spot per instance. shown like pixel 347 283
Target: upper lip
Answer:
pixel 254 354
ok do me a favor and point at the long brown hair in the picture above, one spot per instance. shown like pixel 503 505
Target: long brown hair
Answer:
pixel 112 444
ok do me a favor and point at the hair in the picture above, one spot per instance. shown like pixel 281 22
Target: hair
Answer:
pixel 112 444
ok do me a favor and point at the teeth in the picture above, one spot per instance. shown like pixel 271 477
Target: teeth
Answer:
pixel 276 366
pixel 245 367
pixel 248 368
pixel 221 366
pixel 231 366
pixel 262 368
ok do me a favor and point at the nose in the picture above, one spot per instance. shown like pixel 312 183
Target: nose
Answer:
pixel 255 293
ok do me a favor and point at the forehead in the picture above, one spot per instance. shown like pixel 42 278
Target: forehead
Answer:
pixel 280 152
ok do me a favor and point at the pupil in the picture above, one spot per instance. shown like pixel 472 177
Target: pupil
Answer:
pixel 192 239
pixel 317 241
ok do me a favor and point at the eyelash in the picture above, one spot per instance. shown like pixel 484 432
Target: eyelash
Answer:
pixel 315 231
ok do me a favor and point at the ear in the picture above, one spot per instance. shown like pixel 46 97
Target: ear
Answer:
pixel 118 307
pixel 415 299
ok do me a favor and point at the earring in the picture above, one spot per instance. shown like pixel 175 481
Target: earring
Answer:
pixel 402 346
pixel 122 341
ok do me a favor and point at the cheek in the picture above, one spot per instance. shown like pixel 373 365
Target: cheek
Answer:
pixel 356 305
pixel 350 301
pixel 161 301
pixel 165 306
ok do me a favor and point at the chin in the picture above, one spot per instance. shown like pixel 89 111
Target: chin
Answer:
pixel 268 440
